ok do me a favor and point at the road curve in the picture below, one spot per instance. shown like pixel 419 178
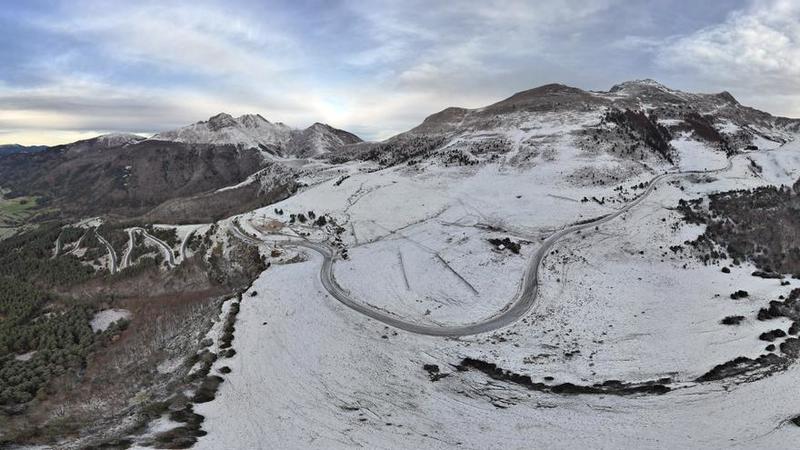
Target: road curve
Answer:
pixel 126 257
pixel 517 308
pixel 185 242
pixel 111 251
pixel 166 249
pixel 57 250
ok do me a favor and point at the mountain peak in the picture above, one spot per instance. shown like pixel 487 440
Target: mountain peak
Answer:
pixel 318 139
pixel 253 121
pixel 728 97
pixel 102 142
pixel 321 127
pixel 546 90
pixel 220 121
pixel 254 131
pixel 220 116
pixel 640 84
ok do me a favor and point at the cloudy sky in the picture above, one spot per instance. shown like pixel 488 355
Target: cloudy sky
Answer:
pixel 76 68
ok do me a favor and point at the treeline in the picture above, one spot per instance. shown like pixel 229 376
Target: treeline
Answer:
pixel 760 225
pixel 39 338
pixel 28 257
pixel 640 126
pixel 168 235
pixel 36 343
pixel 115 235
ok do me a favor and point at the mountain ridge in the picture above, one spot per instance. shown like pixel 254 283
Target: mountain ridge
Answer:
pixel 641 121
pixel 254 131
pixel 463 133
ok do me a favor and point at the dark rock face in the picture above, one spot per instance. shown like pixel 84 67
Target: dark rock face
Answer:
pixel 221 121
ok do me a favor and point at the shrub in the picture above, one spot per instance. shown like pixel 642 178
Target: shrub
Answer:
pixel 207 390
pixel 732 320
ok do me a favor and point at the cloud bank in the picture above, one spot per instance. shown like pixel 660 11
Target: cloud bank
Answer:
pixel 375 68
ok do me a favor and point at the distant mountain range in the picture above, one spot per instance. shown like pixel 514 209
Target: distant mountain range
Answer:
pixel 178 175
pixel 9 149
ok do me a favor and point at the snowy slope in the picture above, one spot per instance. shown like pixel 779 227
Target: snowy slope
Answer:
pixel 625 300
pixel 525 123
pixel 102 142
pixel 319 139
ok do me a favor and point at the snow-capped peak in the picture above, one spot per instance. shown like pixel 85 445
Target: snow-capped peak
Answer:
pixel 102 142
pixel 254 131
pixel 247 131
pixel 318 139
pixel 117 139
pixel 645 83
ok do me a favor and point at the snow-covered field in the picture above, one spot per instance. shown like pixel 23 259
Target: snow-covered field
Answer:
pixel 418 239
pixel 312 374
pixel 695 155
pixel 615 303
pixel 103 319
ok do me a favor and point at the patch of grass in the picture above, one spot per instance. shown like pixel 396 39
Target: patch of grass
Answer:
pixel 14 211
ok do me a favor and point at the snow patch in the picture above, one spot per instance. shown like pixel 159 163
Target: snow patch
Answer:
pixel 103 319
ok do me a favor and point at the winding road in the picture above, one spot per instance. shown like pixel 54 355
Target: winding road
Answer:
pixel 57 250
pixel 517 308
pixel 186 242
pixel 166 249
pixel 126 257
pixel 111 253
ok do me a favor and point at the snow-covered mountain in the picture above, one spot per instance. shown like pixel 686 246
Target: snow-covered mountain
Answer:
pixel 319 139
pixel 248 131
pixel 638 119
pixel 562 266
pixel 102 142
pixel 254 131
pixel 637 323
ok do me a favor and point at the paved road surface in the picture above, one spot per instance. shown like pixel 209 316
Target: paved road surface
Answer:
pixel 166 249
pixel 111 251
pixel 519 306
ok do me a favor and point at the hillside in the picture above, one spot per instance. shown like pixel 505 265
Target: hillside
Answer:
pixel 132 179
pixel 562 266
pixel 9 149
pixel 174 175
pixel 638 120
